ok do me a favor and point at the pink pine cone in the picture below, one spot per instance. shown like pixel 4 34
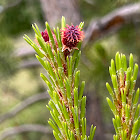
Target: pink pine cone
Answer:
pixel 71 36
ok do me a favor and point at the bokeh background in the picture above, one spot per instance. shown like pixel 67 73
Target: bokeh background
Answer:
pixel 110 26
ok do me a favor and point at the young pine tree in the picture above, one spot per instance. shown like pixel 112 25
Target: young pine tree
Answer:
pixel 59 53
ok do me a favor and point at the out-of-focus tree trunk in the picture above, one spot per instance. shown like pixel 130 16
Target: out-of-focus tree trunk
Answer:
pixel 94 116
pixel 55 9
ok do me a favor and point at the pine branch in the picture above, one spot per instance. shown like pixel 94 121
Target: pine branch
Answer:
pixel 124 104
pixel 59 53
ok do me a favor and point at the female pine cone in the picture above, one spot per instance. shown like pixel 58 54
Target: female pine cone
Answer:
pixel 71 36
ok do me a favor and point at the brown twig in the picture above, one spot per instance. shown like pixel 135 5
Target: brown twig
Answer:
pixel 22 105
pixel 29 64
pixel 112 22
pixel 24 128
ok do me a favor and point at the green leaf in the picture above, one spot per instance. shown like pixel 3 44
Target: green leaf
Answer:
pixel 137 113
pixel 81 90
pixel 52 105
pixel 56 135
pixel 110 91
pixel 115 137
pixel 75 54
pixel 127 113
pixel 59 38
pixel 131 61
pixel 123 95
pixel 42 62
pixel 111 105
pixel 56 98
pixel 68 66
pixel 46 80
pixel 66 115
pixel 44 77
pixel 117 59
pixel 77 60
pixel 123 134
pixel 56 119
pixel 136 99
pixel 83 107
pixel 128 78
pixel 36 29
pixel 61 85
pixel 124 62
pixel 75 97
pixel 110 71
pixel 118 122
pixel 70 69
pixel 113 67
pixel 72 136
pixel 76 121
pixel 135 129
pixel 51 94
pixel 41 43
pixel 136 69
pixel 77 77
pixel 138 138
pixel 50 86
pixel 50 70
pixel 66 82
pixel 115 125
pixel 132 85
pixel 66 130
pixel 36 48
pixel 51 79
pixel 54 126
pixel 92 132
pixel 28 40
pixel 39 33
pixel 59 60
pixel 115 84
pixel 81 25
pixel 128 75
pixel 83 128
pixel 50 35
pixel 50 52
pixel 63 22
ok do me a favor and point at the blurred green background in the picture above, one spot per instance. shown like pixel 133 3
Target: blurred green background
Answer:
pixel 20 72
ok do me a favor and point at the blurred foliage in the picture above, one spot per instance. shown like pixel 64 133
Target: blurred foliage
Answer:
pixel 7 65
pixel 16 85
pixel 97 8
pixel 19 18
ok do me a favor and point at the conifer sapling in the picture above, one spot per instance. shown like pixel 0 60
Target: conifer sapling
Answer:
pixel 59 53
